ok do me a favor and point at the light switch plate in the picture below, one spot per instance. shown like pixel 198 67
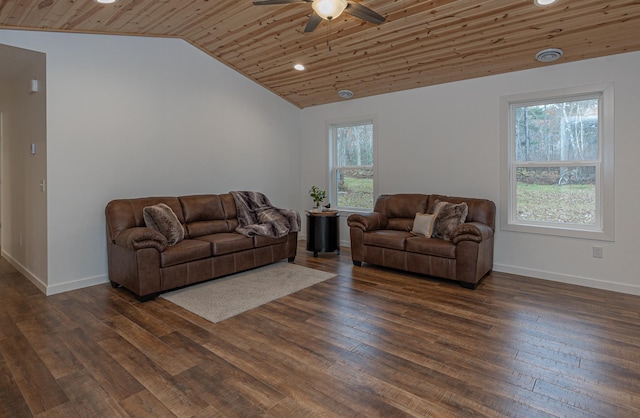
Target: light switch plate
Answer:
pixel 597 251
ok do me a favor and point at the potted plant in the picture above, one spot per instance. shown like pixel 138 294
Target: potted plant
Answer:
pixel 318 196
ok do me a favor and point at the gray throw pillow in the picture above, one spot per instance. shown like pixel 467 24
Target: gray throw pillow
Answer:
pixel 423 224
pixel 161 218
pixel 450 215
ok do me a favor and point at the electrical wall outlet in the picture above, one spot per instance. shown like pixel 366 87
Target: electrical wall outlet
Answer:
pixel 597 251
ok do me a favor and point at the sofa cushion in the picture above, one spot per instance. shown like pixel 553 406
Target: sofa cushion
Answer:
pixel 432 247
pixel 162 218
pixel 449 216
pixel 227 242
pixel 184 251
pixel 201 228
pixel 423 224
pixel 229 206
pixel 261 241
pixel 400 224
pixel 205 207
pixel 387 239
pixel 401 205
pixel 123 214
pixel 204 215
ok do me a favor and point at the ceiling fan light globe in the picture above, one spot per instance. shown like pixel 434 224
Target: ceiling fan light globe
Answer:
pixel 329 9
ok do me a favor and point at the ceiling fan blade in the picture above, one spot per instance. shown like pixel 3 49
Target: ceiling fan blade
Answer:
pixel 267 2
pixel 364 13
pixel 313 23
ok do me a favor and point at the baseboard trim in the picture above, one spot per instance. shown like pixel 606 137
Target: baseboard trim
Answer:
pixel 76 284
pixel 25 272
pixel 57 288
pixel 569 279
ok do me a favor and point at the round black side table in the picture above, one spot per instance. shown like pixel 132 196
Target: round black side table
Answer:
pixel 323 232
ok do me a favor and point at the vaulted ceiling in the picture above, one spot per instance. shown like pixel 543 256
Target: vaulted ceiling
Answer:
pixel 421 43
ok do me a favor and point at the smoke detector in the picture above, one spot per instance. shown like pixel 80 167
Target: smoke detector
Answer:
pixel 549 54
pixel 345 94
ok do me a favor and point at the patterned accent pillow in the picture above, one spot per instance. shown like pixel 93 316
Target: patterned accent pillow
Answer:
pixel 449 216
pixel 161 218
pixel 423 224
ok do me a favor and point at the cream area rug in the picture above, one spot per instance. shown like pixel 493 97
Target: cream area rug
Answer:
pixel 219 299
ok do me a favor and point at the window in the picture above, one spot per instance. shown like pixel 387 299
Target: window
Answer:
pixel 352 168
pixel 557 174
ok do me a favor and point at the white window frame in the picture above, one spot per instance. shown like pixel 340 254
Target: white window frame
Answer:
pixel 604 228
pixel 332 125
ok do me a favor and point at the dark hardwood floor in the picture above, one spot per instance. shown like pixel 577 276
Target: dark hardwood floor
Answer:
pixel 370 342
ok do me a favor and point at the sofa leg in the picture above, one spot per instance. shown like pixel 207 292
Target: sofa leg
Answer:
pixel 357 263
pixel 147 298
pixel 114 284
pixel 291 259
pixel 468 285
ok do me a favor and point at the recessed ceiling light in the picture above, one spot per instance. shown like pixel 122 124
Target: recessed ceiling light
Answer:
pixel 549 54
pixel 299 67
pixel 345 94
pixel 105 1
pixel 543 2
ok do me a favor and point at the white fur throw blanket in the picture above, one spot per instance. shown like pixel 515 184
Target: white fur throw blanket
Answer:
pixel 257 216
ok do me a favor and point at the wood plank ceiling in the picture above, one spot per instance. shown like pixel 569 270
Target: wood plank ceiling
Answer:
pixel 422 42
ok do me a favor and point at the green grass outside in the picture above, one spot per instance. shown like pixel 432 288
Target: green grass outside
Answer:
pixel 571 203
pixel 359 193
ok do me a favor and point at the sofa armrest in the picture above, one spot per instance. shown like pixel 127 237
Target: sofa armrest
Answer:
pixel 471 231
pixel 139 237
pixel 367 221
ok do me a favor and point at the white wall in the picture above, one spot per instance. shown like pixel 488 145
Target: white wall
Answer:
pixel 446 139
pixel 24 204
pixel 133 116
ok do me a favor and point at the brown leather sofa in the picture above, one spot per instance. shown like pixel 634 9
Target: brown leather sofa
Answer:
pixel 140 259
pixel 383 238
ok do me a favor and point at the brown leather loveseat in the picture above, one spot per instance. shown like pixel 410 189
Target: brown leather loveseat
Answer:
pixel 141 260
pixel 384 238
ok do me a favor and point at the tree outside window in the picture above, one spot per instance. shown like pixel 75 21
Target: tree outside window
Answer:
pixel 353 165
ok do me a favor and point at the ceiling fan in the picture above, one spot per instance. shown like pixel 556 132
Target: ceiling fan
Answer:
pixel 330 9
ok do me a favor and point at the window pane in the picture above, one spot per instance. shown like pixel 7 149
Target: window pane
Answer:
pixel 354 145
pixel 558 178
pixel 564 131
pixel 565 195
pixel 353 165
pixel 355 187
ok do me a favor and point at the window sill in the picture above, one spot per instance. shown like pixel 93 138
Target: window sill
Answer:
pixel 559 231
